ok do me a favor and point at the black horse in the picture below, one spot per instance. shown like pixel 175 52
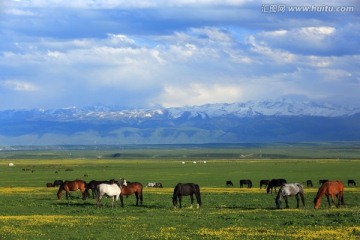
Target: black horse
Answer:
pixel 246 182
pixel 275 183
pixel 229 183
pixel 186 189
pixel 309 183
pixel 351 182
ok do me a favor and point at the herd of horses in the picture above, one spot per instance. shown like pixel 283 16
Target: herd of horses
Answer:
pixel 111 188
pixel 117 189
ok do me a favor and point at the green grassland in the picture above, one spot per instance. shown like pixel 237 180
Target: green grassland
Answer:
pixel 29 210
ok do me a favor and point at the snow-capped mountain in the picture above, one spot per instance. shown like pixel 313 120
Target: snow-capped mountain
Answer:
pixel 282 107
pixel 276 120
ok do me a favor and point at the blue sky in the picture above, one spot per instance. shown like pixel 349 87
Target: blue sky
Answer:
pixel 173 53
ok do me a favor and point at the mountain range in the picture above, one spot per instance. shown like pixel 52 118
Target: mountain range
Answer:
pixel 278 120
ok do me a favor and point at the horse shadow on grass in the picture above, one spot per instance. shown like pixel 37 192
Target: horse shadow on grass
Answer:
pixel 242 208
pixel 76 204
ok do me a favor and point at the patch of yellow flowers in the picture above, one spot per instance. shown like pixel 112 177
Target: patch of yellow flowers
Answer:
pixel 229 233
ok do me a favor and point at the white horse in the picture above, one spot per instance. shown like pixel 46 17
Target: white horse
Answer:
pixel 290 189
pixel 110 190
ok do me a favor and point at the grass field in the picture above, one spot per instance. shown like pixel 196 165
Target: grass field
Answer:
pixel 31 211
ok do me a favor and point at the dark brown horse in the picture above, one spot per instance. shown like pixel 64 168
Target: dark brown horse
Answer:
pixel 72 186
pixel 330 189
pixel 275 183
pixel 246 182
pixel 132 188
pixel 186 189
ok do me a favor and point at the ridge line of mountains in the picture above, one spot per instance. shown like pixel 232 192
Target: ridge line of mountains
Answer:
pixel 282 120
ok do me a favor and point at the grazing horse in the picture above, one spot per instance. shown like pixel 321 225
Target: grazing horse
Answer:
pixel 264 183
pixel 330 189
pixel 351 182
pixel 155 184
pixel 309 183
pixel 110 190
pixel 245 182
pixel 72 186
pixel 93 186
pixel 291 189
pixel 131 188
pixel 151 184
pixel 275 183
pixel 158 185
pixel 229 183
pixel 186 189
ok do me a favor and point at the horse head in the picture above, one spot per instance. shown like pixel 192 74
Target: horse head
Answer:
pixel 85 194
pixel 122 182
pixel 317 202
pixel 174 200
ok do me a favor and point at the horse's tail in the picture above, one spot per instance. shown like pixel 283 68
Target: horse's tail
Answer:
pixel 61 188
pixel 176 190
pixel 141 192
pixel 302 194
pixel 197 193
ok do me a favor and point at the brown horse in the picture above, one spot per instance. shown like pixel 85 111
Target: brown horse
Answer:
pixel 330 189
pixel 131 188
pixel 72 186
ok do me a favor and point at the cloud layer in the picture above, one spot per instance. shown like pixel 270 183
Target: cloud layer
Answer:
pixel 175 53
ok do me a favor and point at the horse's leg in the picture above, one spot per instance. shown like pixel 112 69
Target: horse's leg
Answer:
pixel 340 199
pixel 67 195
pixel 113 200
pixel 180 197
pixel 302 198
pixel 191 200
pixel 141 197
pixel 84 194
pixel 198 200
pixel 333 200
pixel 59 193
pixel 121 200
pixel 328 199
pixel 98 203
pixel 286 201
pixel 297 200
pixel 137 198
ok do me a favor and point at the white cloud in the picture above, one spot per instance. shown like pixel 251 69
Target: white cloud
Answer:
pixel 272 54
pixel 173 52
pixel 198 94
pixel 315 33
